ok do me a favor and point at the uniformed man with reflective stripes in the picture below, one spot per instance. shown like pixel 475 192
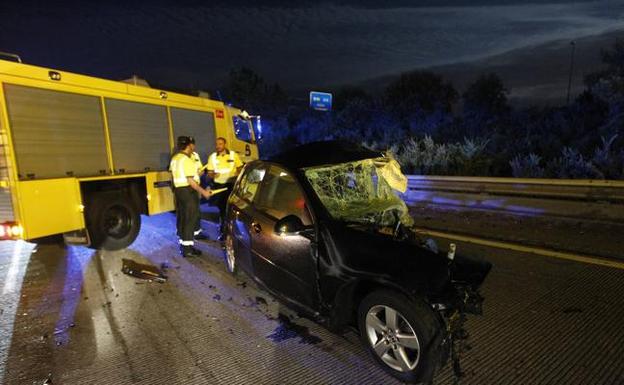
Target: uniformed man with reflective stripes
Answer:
pixel 187 194
pixel 200 171
pixel 223 167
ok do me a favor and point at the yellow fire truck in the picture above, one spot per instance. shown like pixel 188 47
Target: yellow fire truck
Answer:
pixel 85 157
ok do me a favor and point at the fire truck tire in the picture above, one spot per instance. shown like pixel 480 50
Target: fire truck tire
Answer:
pixel 113 221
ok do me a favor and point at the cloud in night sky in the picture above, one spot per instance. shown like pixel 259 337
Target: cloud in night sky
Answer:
pixel 299 46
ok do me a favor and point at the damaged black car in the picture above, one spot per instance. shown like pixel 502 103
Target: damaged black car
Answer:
pixel 323 229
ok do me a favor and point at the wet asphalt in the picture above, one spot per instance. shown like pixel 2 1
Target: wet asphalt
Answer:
pixel 68 315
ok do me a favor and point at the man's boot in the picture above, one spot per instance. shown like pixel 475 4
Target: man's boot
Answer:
pixel 189 251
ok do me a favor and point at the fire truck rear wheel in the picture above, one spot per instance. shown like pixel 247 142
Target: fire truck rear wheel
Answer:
pixel 113 221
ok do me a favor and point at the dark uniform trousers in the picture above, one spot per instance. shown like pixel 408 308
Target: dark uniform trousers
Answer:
pixel 220 200
pixel 187 212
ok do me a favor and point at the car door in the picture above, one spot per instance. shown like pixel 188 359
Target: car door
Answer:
pixel 285 264
pixel 240 212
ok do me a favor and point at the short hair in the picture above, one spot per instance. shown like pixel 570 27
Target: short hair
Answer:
pixel 184 141
pixel 223 139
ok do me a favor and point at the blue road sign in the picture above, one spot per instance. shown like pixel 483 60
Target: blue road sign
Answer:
pixel 320 101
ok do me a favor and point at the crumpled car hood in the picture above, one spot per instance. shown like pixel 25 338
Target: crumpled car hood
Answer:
pixel 406 263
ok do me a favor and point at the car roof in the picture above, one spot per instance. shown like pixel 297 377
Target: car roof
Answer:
pixel 323 153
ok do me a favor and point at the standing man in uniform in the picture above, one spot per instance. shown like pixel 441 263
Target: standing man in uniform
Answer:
pixel 223 167
pixel 187 192
pixel 200 171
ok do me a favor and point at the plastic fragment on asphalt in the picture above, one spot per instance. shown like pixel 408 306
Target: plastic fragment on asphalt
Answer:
pixel 59 331
pixel 168 265
pixel 142 271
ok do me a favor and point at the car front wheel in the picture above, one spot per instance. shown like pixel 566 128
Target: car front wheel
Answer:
pixel 403 336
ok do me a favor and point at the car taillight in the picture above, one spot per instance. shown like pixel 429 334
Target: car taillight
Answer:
pixel 10 230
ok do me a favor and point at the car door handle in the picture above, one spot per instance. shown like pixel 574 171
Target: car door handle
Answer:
pixel 256 226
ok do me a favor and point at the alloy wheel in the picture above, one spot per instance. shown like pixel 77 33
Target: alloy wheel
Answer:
pixel 392 338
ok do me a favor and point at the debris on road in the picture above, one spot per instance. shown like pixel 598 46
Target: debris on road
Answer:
pixel 142 271
pixel 59 331
pixel 287 330
pixel 167 265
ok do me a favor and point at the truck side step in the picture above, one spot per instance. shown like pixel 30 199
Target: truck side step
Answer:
pixel 78 237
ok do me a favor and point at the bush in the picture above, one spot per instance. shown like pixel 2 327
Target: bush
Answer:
pixel 572 165
pixel 527 166
pixel 275 134
pixel 609 162
pixel 426 157
pixel 472 158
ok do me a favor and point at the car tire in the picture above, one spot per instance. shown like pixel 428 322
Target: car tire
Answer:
pixel 231 264
pixel 113 222
pixel 413 353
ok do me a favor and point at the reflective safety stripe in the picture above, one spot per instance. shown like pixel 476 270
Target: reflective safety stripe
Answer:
pixel 222 170
pixel 177 169
pixel 187 243
pixel 197 232
pixel 198 164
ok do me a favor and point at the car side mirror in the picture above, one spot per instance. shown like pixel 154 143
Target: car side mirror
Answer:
pixel 289 225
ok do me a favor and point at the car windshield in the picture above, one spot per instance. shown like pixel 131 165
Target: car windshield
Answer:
pixel 362 191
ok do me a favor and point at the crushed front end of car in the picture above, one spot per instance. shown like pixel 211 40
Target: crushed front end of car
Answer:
pixel 363 193
pixel 461 297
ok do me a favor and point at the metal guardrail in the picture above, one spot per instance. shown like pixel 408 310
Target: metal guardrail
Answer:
pixel 587 199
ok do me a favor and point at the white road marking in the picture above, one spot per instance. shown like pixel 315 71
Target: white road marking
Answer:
pixel 524 249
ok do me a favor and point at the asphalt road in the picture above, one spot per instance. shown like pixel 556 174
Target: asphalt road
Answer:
pixel 583 236
pixel 70 312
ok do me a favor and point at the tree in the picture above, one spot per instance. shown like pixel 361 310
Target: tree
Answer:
pixel 612 76
pixel 487 96
pixel 248 90
pixel 349 95
pixel 245 87
pixel 420 92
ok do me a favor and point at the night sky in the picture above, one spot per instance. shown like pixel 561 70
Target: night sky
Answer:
pixel 300 44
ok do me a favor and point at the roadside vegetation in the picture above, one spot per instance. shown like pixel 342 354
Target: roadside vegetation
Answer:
pixel 433 129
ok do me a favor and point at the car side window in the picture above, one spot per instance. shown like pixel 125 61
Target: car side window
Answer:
pixel 280 195
pixel 248 186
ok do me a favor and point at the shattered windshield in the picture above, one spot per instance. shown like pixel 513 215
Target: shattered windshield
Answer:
pixel 362 191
